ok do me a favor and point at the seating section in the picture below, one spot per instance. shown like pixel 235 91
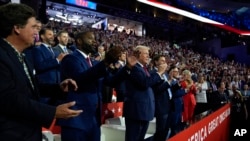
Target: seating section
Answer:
pixel 52 133
pixel 114 129
pixel 47 136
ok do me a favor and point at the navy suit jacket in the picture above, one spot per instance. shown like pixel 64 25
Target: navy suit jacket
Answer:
pixel 162 100
pixel 120 88
pixel 139 102
pixel 88 96
pixel 22 116
pixel 177 101
pixel 46 65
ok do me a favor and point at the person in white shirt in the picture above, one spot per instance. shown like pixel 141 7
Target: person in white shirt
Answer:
pixel 201 95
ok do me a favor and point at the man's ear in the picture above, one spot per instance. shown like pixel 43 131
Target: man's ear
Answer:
pixel 79 41
pixel 16 29
pixel 58 38
pixel 42 37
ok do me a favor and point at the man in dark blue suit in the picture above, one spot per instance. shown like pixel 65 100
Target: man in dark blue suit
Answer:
pixel 22 115
pixel 120 88
pixel 47 65
pixel 87 74
pixel 139 106
pixel 162 93
pixel 176 109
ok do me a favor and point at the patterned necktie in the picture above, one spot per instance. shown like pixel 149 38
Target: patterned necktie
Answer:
pixel 21 58
pixel 25 67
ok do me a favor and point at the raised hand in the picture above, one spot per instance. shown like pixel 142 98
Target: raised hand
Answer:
pixel 112 55
pixel 61 56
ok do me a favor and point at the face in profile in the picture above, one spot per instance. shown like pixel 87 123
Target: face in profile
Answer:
pixel 89 43
pixel 63 39
pixel 27 32
pixel 143 56
pixel 48 37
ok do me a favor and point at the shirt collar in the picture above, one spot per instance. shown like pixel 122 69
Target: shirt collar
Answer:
pixel 140 64
pixel 83 54
pixel 46 45
pixel 61 46
pixel 19 54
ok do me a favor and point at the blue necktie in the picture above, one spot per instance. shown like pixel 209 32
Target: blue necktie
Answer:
pixel 51 51
pixel 65 50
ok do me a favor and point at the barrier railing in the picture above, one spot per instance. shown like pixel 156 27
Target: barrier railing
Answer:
pixel 214 127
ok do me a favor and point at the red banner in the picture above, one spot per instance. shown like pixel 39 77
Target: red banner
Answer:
pixel 214 127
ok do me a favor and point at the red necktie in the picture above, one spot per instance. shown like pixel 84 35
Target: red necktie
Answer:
pixel 146 70
pixel 89 61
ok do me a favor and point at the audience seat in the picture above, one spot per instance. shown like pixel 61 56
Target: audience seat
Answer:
pixel 114 129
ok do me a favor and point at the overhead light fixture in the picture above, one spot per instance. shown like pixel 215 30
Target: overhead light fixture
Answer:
pixel 167 7
pixel 61 16
pixel 51 18
pixel 73 19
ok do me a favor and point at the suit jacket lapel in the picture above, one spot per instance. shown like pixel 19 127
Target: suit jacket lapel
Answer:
pixel 83 60
pixel 15 59
pixel 13 56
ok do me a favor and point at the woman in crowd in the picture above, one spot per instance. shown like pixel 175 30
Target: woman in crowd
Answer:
pixel 239 112
pixel 189 98
pixel 201 95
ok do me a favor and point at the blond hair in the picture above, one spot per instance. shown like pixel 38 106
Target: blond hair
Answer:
pixel 141 47
pixel 138 49
pixel 188 73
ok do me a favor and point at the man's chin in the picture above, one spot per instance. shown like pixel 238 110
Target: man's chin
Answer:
pixel 30 44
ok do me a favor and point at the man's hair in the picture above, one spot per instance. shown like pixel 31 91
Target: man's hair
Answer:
pixel 81 35
pixel 61 32
pixel 172 67
pixel 156 58
pixel 13 14
pixel 43 31
pixel 137 50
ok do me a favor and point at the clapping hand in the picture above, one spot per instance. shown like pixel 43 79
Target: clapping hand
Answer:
pixel 68 84
pixel 64 111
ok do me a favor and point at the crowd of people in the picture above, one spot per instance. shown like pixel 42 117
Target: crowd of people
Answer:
pixel 231 18
pixel 152 77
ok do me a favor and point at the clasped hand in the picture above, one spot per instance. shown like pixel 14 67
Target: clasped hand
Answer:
pixel 63 110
